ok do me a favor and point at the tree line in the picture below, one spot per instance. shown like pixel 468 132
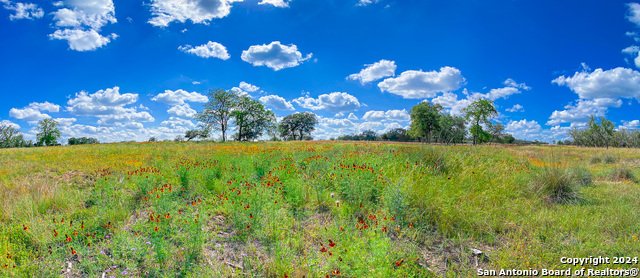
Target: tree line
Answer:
pixel 602 133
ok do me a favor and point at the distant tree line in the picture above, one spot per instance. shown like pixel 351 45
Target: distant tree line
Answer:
pixel 602 133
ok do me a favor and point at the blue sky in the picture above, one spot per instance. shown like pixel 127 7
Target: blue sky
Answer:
pixel 128 70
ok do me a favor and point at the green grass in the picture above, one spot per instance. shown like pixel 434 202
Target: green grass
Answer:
pixel 271 209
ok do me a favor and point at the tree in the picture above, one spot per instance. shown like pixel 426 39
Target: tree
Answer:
pixel 496 131
pixel 396 134
pixel 196 133
pixel 218 111
pixel 425 118
pixel 82 141
pixel 251 119
pixel 48 132
pixel 10 137
pixel 452 129
pixel 480 111
pixel 509 139
pixel 297 125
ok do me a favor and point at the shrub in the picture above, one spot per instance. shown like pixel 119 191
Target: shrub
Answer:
pixel 556 185
pixel 581 175
pixel 595 160
pixel 622 173
pixel 608 158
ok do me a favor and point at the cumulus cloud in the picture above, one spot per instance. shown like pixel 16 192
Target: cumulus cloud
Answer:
pixel 415 84
pixel 512 83
pixel 65 121
pixel 634 13
pixel 248 87
pixel 108 105
pixel 615 83
pixel 33 112
pixel 390 115
pixel 179 97
pixel 274 55
pixel 524 129
pixel 9 123
pixel 277 102
pixel 352 117
pixel 178 123
pixel 82 40
pixel 516 108
pixel 335 102
pixel 582 109
pixel 102 102
pixel 630 125
pixel 79 23
pixel 182 110
pixel 211 49
pixel 375 71
pixel 276 3
pixel 500 93
pixel 197 11
pixel 23 10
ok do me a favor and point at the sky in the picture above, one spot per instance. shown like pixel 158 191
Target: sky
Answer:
pixel 121 70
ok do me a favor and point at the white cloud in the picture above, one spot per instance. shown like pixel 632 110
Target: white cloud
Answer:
pixel 337 123
pixel 178 123
pixel 366 2
pixel 390 115
pixel 275 55
pixel 102 102
pixel 516 108
pixel 196 82
pixel 33 112
pixel 198 11
pixel 182 110
pixel 9 123
pixel 211 49
pixel 375 71
pixel 630 125
pixel 335 102
pixel 579 113
pixel 276 3
pixel 418 84
pixel 512 83
pixel 524 129
pixel 352 117
pixel 126 115
pixel 248 87
pixel 614 83
pixel 500 93
pixel 450 101
pixel 79 23
pixel 634 13
pixel 65 121
pixel 81 40
pixel 23 10
pixel 277 102
pixel 179 97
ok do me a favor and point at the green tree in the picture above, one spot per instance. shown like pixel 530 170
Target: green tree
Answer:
pixel 480 111
pixel 10 137
pixel 425 118
pixel 297 125
pixel 496 131
pixel 396 134
pixel 452 129
pixel 218 111
pixel 196 133
pixel 48 132
pixel 251 119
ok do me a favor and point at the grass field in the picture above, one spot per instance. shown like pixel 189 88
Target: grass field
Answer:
pixel 315 209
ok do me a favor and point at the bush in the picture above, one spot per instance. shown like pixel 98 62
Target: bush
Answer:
pixel 595 160
pixel 608 158
pixel 581 175
pixel 622 173
pixel 557 185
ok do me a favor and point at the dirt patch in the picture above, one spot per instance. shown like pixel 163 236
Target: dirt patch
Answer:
pixel 226 251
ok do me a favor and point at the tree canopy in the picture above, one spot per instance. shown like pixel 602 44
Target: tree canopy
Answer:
pixel 218 111
pixel 297 125
pixel 48 133
pixel 480 111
